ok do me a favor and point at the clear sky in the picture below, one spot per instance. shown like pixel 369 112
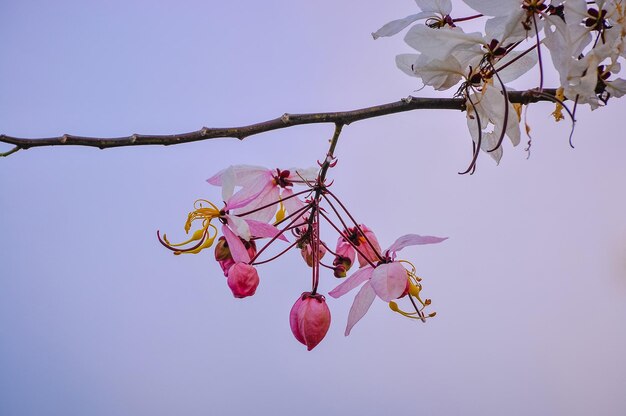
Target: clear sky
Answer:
pixel 97 318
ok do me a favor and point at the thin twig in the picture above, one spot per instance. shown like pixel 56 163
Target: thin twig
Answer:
pixel 286 120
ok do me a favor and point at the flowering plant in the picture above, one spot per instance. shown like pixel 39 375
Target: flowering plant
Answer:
pixel 585 41
pixel 265 206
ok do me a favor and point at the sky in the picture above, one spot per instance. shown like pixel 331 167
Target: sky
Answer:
pixel 97 318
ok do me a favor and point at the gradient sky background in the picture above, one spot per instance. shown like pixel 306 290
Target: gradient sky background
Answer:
pixel 97 318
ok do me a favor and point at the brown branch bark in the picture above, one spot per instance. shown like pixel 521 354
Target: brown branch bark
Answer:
pixel 286 120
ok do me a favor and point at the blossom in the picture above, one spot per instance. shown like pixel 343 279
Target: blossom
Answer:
pixel 243 280
pixel 364 239
pixel 585 77
pixel 260 187
pixel 309 319
pixel 387 280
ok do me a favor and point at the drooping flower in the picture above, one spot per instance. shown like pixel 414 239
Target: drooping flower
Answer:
pixel 309 319
pixel 388 280
pixel 361 237
pixel 242 280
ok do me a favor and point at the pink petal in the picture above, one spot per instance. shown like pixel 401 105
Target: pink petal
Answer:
pixel 293 320
pixel 243 174
pixel 237 249
pixel 292 204
pixel 414 240
pixel 239 226
pixel 389 281
pixel 351 282
pixel 266 197
pixel 247 194
pixel 313 321
pixel 261 229
pixel 362 302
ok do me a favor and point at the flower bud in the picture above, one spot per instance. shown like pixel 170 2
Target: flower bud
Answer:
pixel 307 253
pixel 345 254
pixel 339 270
pixel 222 252
pixel 309 319
pixel 243 280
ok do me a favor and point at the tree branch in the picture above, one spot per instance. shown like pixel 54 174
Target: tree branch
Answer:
pixel 286 120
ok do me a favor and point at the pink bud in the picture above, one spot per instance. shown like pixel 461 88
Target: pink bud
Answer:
pixel 345 254
pixel 339 270
pixel 226 265
pixel 309 319
pixel 307 253
pixel 242 280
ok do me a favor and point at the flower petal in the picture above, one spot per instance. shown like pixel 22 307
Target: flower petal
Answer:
pixel 228 183
pixel 308 174
pixel 362 302
pixel 291 204
pixel 389 281
pixel 255 189
pixel 414 240
pixel 239 227
pixel 351 282
pixel 396 26
pixel 262 229
pixel 268 195
pixel 243 174
pixel 237 249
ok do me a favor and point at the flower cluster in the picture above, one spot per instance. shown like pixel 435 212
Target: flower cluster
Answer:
pixel 585 40
pixel 263 206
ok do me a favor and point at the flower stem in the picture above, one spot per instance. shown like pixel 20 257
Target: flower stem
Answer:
pixel 296 214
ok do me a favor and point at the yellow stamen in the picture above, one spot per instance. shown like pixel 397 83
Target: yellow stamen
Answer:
pixel 203 235
pixel 281 213
pixel 206 244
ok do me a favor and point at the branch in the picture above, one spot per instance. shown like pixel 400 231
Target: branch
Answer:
pixel 286 120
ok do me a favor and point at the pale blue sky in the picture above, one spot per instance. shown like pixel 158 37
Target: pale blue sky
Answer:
pixel 97 318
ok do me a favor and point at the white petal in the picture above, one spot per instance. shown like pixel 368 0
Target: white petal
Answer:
pixel 239 226
pixel 439 43
pixel 442 7
pixel 228 183
pixel 396 26
pixel 405 63
pixel 494 7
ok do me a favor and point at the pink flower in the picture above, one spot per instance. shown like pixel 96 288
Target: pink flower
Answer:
pixel 365 240
pixel 243 280
pixel 387 280
pixel 237 229
pixel 259 187
pixel 309 319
